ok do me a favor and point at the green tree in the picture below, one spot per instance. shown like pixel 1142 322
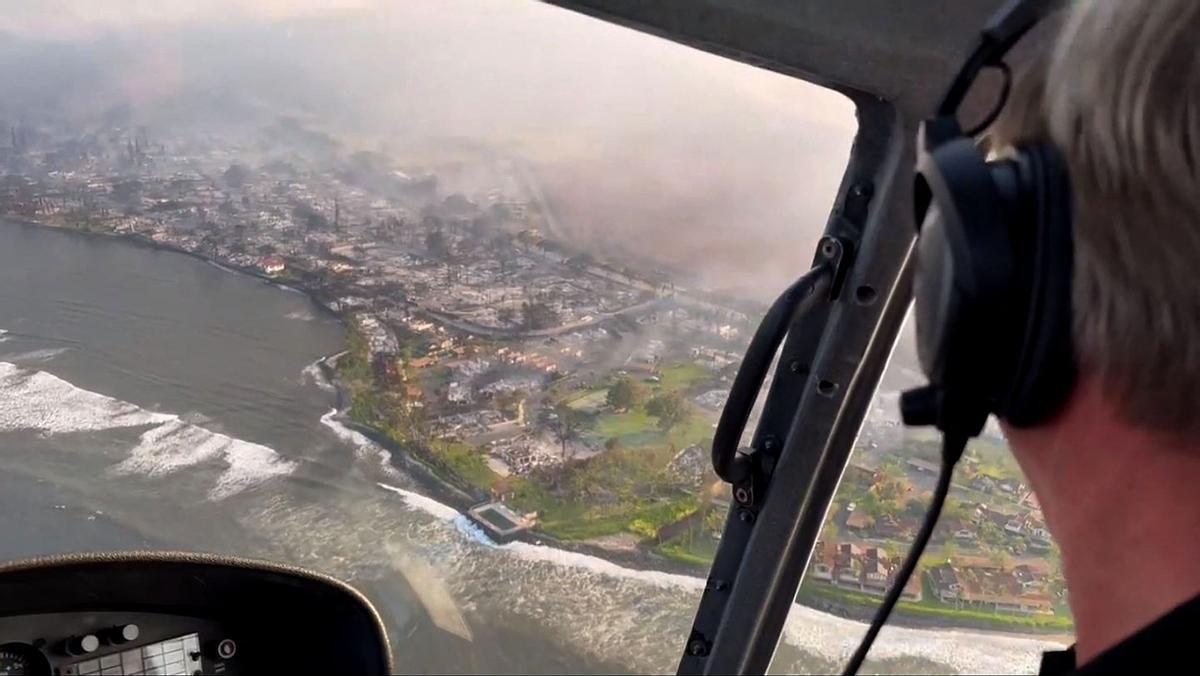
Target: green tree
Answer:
pixel 870 504
pixel 624 394
pixel 950 549
pixel 990 533
pixel 1001 558
pixel 892 467
pixel 891 489
pixel 917 508
pixel 566 423
pixel 954 508
pixel 670 408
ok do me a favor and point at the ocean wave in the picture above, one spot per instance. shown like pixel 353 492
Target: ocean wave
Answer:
pixel 301 315
pixel 221 266
pixel 45 354
pixel 424 503
pixel 36 400
pixel 813 631
pixel 43 402
pixel 967 651
pixel 312 373
pixel 363 447
pixel 176 445
pixel 468 528
pixel 593 564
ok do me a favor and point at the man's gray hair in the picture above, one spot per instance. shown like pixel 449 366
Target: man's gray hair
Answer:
pixel 1120 97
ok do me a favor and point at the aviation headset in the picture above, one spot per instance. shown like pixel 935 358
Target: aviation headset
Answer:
pixel 993 280
pixel 994 258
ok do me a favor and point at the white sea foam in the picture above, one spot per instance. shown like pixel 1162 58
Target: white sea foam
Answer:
pixel 423 503
pixel 966 651
pixel 301 315
pixel 219 266
pixel 44 354
pixel 823 634
pixel 472 531
pixel 176 445
pixel 564 558
pixel 312 373
pixel 345 433
pixel 36 400
pixel 363 447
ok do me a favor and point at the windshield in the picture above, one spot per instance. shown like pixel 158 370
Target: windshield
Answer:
pixel 441 297
pixel 991 570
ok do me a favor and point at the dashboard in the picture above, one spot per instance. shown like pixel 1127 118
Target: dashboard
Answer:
pixel 182 613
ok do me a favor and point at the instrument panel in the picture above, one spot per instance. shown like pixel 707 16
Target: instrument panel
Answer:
pixel 83 644
pixel 166 613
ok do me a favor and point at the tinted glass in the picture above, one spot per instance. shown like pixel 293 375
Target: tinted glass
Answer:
pixel 988 595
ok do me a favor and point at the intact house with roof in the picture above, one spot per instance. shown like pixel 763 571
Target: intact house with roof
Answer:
pixel 973 583
pixel 867 569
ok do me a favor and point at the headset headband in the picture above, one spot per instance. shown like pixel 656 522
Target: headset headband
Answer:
pixel 1008 25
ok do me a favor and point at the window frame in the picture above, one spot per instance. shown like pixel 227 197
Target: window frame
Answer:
pixel 892 64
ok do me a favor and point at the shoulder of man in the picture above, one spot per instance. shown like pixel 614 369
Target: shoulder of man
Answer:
pixel 1158 644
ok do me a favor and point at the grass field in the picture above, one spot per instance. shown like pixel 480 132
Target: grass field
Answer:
pixel 575 520
pixel 587 400
pixel 465 461
pixel 681 377
pixel 637 429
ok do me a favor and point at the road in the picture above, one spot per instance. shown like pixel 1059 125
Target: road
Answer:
pixel 499 332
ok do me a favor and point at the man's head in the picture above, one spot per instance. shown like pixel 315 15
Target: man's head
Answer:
pixel 1116 471
pixel 1120 97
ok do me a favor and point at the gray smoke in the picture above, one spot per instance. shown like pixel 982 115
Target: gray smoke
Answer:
pixel 645 147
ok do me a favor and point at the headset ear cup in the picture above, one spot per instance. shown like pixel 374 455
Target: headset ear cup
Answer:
pixel 967 327
pixel 1045 370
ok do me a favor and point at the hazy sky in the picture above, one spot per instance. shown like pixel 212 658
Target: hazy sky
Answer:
pixel 642 144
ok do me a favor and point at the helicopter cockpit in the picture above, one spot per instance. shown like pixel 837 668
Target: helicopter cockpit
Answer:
pixel 823 345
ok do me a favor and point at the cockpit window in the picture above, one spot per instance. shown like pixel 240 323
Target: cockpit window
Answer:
pixel 991 572
pixel 441 297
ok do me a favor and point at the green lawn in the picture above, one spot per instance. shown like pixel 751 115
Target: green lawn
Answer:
pixel 633 428
pixel 682 377
pixel 587 400
pixel 466 462
pixel 568 520
pixel 637 429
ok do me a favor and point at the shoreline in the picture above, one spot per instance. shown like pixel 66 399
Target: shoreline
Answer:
pixel 438 487
pixel 139 239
